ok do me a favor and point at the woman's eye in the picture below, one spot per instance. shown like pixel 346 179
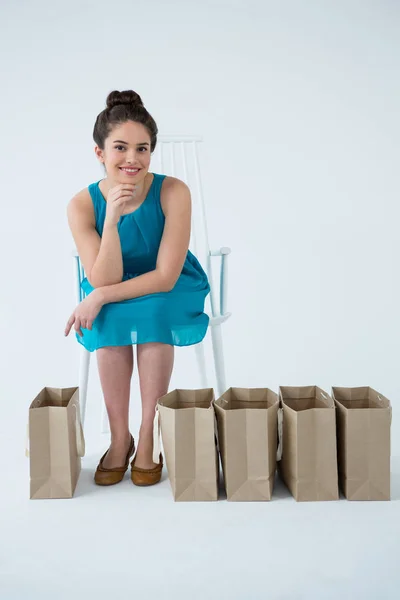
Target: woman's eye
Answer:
pixel 142 148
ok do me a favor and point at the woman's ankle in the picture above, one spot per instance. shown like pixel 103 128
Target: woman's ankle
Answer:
pixel 120 438
pixel 146 430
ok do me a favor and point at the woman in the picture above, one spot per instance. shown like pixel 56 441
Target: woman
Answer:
pixel 143 286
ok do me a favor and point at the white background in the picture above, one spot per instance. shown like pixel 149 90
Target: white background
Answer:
pixel 297 103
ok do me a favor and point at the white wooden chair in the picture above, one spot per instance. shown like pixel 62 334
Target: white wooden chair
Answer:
pixel 178 156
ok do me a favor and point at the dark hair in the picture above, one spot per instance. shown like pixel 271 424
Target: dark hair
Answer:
pixel 121 107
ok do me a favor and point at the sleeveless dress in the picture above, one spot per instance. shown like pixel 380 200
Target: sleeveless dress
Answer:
pixel 176 317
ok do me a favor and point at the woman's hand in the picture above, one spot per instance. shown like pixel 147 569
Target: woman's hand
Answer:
pixel 85 313
pixel 117 198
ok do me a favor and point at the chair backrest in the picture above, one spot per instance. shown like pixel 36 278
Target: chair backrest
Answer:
pixel 178 156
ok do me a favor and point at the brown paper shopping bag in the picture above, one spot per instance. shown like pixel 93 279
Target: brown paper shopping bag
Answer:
pixel 308 464
pixel 56 443
pixel 187 424
pixel 363 431
pixel 247 435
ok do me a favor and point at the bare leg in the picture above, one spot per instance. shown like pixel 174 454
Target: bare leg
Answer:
pixel 155 363
pixel 115 365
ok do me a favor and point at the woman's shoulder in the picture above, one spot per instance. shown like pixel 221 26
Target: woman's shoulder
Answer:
pixel 172 190
pixel 173 184
pixel 81 203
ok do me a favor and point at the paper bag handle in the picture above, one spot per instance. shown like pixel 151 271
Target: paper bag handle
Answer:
pixel 80 439
pixel 280 434
pixel 156 437
pixel 216 431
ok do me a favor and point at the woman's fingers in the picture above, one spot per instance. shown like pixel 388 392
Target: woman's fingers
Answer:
pixel 122 200
pixel 77 326
pixel 69 324
pixel 86 323
pixel 78 322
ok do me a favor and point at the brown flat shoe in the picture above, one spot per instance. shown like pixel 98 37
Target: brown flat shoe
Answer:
pixel 104 476
pixel 146 476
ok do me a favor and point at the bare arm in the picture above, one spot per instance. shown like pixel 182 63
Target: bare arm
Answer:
pixel 176 204
pixel 108 267
pixel 101 256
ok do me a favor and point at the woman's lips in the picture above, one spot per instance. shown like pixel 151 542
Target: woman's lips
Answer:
pixel 129 173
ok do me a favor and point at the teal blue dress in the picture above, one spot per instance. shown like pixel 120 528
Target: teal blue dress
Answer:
pixel 176 317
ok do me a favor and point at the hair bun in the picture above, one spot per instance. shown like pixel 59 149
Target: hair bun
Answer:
pixel 126 97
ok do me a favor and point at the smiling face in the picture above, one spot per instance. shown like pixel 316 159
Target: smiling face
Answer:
pixel 128 145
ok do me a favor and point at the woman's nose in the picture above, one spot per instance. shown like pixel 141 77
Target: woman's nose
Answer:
pixel 132 158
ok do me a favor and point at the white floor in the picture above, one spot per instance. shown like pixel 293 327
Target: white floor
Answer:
pixel 125 541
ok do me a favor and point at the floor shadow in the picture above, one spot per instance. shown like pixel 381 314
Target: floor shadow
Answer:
pixel 221 487
pixel 280 491
pixel 86 484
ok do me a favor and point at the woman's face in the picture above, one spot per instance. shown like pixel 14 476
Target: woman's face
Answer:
pixel 128 145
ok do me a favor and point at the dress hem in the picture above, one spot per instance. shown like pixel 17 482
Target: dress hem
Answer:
pixel 134 343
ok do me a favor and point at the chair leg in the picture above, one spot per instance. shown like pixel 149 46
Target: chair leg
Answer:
pixel 201 362
pixel 218 352
pixel 84 363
